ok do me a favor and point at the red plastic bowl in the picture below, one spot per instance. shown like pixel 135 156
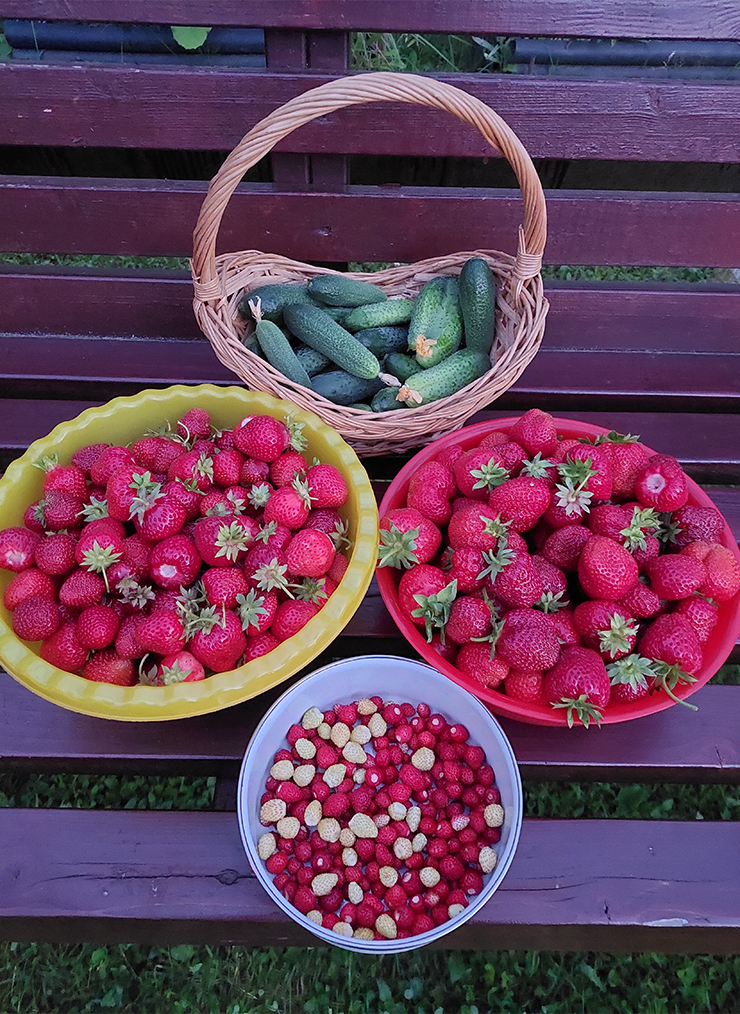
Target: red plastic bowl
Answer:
pixel 716 650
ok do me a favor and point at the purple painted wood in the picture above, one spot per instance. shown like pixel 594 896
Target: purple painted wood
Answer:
pixel 674 746
pixel 679 19
pixel 157 217
pixel 175 877
pixel 182 108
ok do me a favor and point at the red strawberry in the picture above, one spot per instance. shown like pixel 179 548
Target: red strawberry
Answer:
pixel 261 437
pixel 326 486
pixel 227 467
pixel 33 518
pixel 564 446
pixel 406 538
pixel 701 614
pixel 605 569
pixel 164 519
pixel 17 548
pixel 261 644
pixel 81 589
pixel 467 567
pixel 554 581
pixel 215 503
pixel 223 585
pixel 86 456
pixel 162 632
pixel 288 506
pixel 477 525
pixel 275 536
pixel 134 562
pixel 179 667
pixel 525 686
pixel 189 499
pixel 63 478
pixel 606 627
pixel 627 458
pixel 590 468
pixel 528 640
pixel 631 678
pixel 256 611
pixel 254 472
pixel 521 501
pixel 266 568
pixel 166 452
pixel 127 644
pixel 130 491
pixel 220 647
pixel 645 557
pixel 474 660
pixel 641 601
pixel 449 455
pixel 174 562
pixel 696 524
pixel 310 553
pixel 192 467
pixel 536 432
pixel 285 468
pixel 27 583
pixel 324 520
pixel 195 423
pixel 675 577
pixel 518 584
pixel 513 457
pixel 425 594
pixel 55 554
pixel 63 649
pixel 723 574
pixel 430 503
pixel 610 519
pixel 223 542
pixel 338 568
pixel 564 547
pixel 36 618
pixel 434 475
pixel 106 667
pixel 61 510
pixel 672 639
pixel 111 460
pixel 145 451
pixel 580 683
pixel 661 484
pixel 469 618
pixel 565 629
pixel 290 617
pixel 447 650
pixel 478 471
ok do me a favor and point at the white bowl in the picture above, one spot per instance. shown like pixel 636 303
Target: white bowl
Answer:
pixel 394 679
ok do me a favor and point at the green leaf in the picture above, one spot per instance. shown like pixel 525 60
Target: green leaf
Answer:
pixel 384 991
pixel 182 952
pixel 456 966
pixel 189 38
pixel 6 50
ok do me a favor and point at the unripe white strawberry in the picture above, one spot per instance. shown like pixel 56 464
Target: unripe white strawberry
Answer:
pixel 377 726
pixel 388 876
pixel 323 883
pixel 429 876
pixel 312 719
pixel 313 813
pixel 355 892
pixel 385 925
pixel 282 771
pixel 272 811
pixel 342 929
pixel 402 848
pixel 363 826
pixel 304 774
pixel 413 818
pixel 329 829
pixel 494 815
pixel 487 859
pixel 354 754
pixel 349 857
pixel 288 827
pixel 335 775
pixel 266 845
pixel 340 734
pixel 366 707
pixel 305 749
pixel 423 759
pixel 361 734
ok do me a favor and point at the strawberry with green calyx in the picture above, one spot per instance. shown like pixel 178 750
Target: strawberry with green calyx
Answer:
pixel 315 589
pixel 274 536
pixel 589 466
pixel 259 495
pixel 310 553
pixel 478 471
pixel 520 501
pixel 95 509
pixel 668 677
pixel 285 468
pixel 192 467
pixel 222 543
pixel 219 641
pixel 130 492
pixel 528 640
pixel 627 457
pixel 606 627
pixel 161 521
pixel 579 683
pixel 493 561
pixel 263 437
pixel 612 520
pixel 661 484
pixel 272 576
pixel 63 478
pixel 425 595
pixel 672 644
pixel 643 524
pixel 538 467
pixel 470 619
pixel 179 667
pixel 289 505
pixel 406 538
pixel 702 614
pixel 571 501
pixel 475 661
pixel 33 518
pixel 99 554
pixel 256 611
pixel 215 504
pixel 224 585
pixel 551 602
pixel 133 595
pixel 631 678
pixel 605 569
pixel 478 526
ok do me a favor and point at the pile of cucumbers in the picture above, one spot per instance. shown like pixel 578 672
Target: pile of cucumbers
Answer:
pixel 348 342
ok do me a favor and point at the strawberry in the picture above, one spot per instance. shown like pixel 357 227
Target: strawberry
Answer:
pixel 223 585
pixel 174 562
pixel 528 640
pixel 134 562
pixel 220 642
pixel 97 626
pixel 81 589
pixel 161 632
pixel 723 573
pixel 129 492
pixel 430 503
pixel 564 626
pixel 63 649
pixel 111 460
pixel 289 506
pixel 86 456
pixel 256 611
pixel 310 553
pixel 324 520
pixel 127 644
pixel 261 437
pixel 36 618
pixel 227 467
pixel 675 576
pixel 290 617
pixel 338 568
pixel 466 568
pixel 55 554
pixel 61 510
pixel 406 538
pixel 33 518
pixel 474 660
pixel 189 499
pixel 106 667
pixel 27 583
pixel 266 568
pixel 605 569
pixel 195 423
pixel 215 503
pixel 520 501
pixel 326 486
pixel 477 525
pixel 525 686
pixel 179 667
pixel 513 457
pixel 285 468
pixel 554 581
pixel 590 468
pixel 445 650
pixel 564 546
pixel 165 453
pixel 478 471
pixel 146 450
pixel 606 627
pixel 641 601
pixel 645 557
pixel 470 618
pixel 672 639
pixel 579 683
pixel 99 552
pixel 449 455
pixel 425 595
pixel 631 679
pixel 192 468
pixel 610 519
pixel 626 457
pixel 535 431
pixel 275 536
pixel 164 519
pixel 261 644
pixel 17 548
pixel 434 476
pixel 696 524
pixel 518 584
pixel 661 484
pixel 222 542
pixel 259 495
pixel 63 478
pixel 253 472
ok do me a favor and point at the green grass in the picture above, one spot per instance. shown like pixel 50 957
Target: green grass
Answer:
pixel 411 51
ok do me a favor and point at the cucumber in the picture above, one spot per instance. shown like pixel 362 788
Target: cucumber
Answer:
pixel 311 360
pixel 426 309
pixel 315 328
pixel 447 377
pixel 344 389
pixel 386 400
pixel 386 314
pixel 435 331
pixel 360 404
pixel 478 304
pixel 273 299
pixel 278 352
pixel 338 290
pixel 382 340
pixel 337 313
pixel 400 366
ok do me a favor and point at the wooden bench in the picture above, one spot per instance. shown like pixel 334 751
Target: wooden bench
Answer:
pixel 656 359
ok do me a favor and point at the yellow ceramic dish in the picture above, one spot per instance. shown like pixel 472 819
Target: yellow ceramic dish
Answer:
pixel 120 422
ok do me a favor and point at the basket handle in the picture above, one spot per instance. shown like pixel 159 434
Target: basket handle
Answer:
pixel 379 86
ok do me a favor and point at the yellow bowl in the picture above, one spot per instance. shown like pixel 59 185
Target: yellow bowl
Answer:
pixel 120 422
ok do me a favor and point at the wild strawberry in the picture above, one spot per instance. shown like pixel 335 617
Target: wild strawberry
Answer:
pixel 288 506
pixel 606 627
pixel 641 601
pixel 672 639
pixel 695 524
pixel 425 595
pixel 474 660
pixel 106 667
pixel 605 569
pixel 81 589
pixel 723 573
pixel 86 456
pixel 564 546
pixel 478 526
pixel 36 618
pixel 466 567
pixel 520 501
pixel 261 437
pixel 192 467
pixel 326 486
pixel 27 583
pixel 111 460
pixel 162 632
pixel 627 457
pixel 97 626
pixel 528 640
pixel 174 562
pixel 701 614
pixel 61 510
pixel 579 683
pixel 256 611
pixel 310 553
pixel 478 471
pixel 63 649
pixel 195 423
pixel 631 679
pixel 525 686
pixel 290 617
pixel 285 468
pixel 223 585
pixel 161 521
pixel 518 584
pixel 675 577
pixel 469 618
pixel 535 431
pixel 220 642
pixel 222 542
pixel 261 644
pixel 17 548
pixel 661 484
pixel 406 538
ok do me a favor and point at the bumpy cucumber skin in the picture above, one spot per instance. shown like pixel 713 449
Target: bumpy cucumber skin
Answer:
pixel 311 360
pixel 386 314
pixel 313 327
pixel 382 340
pixel 338 290
pixel 450 376
pixel 337 313
pixel 278 352
pixel 400 366
pixel 344 389
pixel 273 299
pixel 426 309
pixel 445 327
pixel 478 304
pixel 386 401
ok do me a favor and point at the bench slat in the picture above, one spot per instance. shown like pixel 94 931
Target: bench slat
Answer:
pixel 681 19
pixel 130 217
pixel 675 745
pixel 159 877
pixel 555 118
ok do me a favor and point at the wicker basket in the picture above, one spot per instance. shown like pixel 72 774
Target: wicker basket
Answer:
pixel 219 282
